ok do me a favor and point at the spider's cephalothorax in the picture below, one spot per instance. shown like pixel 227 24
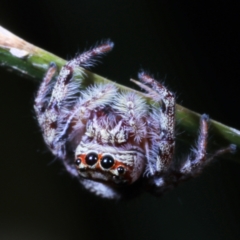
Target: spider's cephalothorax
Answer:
pixel 113 140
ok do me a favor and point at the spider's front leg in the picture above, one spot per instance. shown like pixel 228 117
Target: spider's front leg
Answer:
pixel 165 120
pixel 55 101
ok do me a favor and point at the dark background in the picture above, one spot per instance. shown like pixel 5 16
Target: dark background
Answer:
pixel 193 46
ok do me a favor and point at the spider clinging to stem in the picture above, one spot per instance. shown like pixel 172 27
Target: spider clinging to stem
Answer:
pixel 113 141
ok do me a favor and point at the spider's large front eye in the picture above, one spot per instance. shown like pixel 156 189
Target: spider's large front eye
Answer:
pixel 91 159
pixel 107 161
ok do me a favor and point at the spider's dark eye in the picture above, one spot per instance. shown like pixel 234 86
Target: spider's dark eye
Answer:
pixel 121 170
pixel 77 162
pixel 107 161
pixel 91 159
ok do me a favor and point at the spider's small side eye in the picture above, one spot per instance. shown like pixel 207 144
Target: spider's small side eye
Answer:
pixel 77 162
pixel 107 161
pixel 91 159
pixel 120 170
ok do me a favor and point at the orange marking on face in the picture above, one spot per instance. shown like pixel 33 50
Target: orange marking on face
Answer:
pixel 97 167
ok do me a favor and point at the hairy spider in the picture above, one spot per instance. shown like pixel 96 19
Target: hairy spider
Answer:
pixel 113 141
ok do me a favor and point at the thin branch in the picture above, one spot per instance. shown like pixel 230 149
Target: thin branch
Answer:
pixel 32 62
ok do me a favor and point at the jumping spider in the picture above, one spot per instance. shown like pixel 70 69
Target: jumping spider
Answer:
pixel 113 141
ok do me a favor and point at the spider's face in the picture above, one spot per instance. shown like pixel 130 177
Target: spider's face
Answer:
pixel 109 166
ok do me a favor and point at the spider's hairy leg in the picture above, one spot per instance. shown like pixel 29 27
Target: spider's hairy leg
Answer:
pixel 192 166
pixel 65 93
pixel 61 91
pixel 87 59
pixel 56 103
pixel 43 90
pixel 230 149
pixel 161 94
pixel 197 160
pixel 200 152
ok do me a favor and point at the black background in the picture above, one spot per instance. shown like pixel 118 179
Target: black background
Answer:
pixel 193 46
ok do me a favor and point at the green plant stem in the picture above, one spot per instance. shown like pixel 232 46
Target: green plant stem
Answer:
pixel 32 62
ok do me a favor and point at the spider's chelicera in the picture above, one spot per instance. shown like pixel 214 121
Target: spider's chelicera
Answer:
pixel 114 141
